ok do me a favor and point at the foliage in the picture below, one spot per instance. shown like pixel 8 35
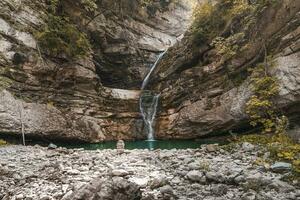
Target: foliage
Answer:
pixel 207 23
pixel 61 37
pixel 227 47
pixel 280 146
pixel 212 18
pixel 2 142
pixel 260 107
pixel 4 81
pixel 146 3
pixel 89 5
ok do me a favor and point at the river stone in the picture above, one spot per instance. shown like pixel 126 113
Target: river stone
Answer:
pixel 52 146
pixel 194 166
pixel 158 181
pixel 249 196
pixel 212 147
pixel 219 190
pixel 119 172
pixel 142 182
pixel 246 146
pixel 194 175
pixel 281 167
pixel 167 189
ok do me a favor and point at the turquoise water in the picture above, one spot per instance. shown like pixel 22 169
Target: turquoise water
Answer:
pixel 143 144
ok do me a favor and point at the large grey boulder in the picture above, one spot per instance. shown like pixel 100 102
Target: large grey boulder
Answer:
pixel 106 189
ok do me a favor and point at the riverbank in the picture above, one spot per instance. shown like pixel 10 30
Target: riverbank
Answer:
pixel 210 172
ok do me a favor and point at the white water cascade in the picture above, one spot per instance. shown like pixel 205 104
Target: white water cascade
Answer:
pixel 149 102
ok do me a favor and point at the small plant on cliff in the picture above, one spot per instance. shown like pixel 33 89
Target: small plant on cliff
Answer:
pixel 89 5
pixel 226 17
pixel 2 142
pixel 211 19
pixel 62 37
pixel 227 47
pixel 261 107
pixel 207 22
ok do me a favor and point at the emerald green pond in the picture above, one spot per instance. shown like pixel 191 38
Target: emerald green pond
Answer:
pixel 143 144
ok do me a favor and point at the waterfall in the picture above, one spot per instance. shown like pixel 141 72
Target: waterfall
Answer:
pixel 149 102
pixel 146 80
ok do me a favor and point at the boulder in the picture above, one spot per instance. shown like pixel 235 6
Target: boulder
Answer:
pixel 111 188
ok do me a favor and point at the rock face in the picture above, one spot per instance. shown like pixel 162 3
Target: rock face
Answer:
pixel 201 93
pixel 96 98
pixel 92 98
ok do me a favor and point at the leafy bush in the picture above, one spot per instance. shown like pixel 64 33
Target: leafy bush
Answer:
pixel 227 47
pixel 260 107
pixel 4 82
pixel 207 24
pixel 3 142
pixel 59 37
pixel 211 19
pixel 280 146
pixel 89 5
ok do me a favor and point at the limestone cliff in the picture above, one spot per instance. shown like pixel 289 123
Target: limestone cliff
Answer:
pixel 95 97
pixel 204 91
pixel 86 98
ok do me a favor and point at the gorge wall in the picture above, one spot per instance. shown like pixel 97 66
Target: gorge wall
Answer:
pixel 204 91
pixel 94 98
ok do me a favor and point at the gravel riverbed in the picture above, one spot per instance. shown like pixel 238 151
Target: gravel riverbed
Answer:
pixel 207 173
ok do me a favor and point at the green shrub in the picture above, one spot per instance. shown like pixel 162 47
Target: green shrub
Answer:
pixel 60 37
pixel 2 142
pixel 227 47
pixel 4 82
pixel 211 19
pixel 260 107
pixel 207 23
pixel 280 146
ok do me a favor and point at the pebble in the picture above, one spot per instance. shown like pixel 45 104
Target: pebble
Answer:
pixel 166 174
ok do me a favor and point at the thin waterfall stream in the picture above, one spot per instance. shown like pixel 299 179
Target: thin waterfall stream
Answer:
pixel 149 103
